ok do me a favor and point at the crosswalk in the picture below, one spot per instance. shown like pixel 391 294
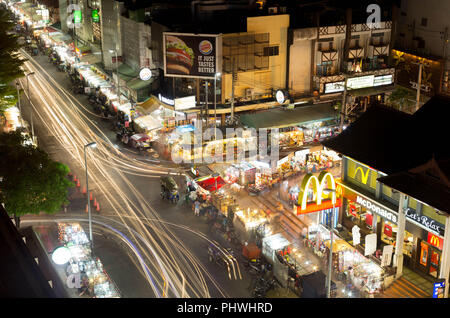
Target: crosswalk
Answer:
pixel 402 288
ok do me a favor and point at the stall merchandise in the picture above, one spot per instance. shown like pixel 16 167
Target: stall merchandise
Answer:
pixel 362 272
pixel 251 218
pixel 94 277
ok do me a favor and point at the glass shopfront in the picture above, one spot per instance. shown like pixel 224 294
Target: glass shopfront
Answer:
pixel 429 255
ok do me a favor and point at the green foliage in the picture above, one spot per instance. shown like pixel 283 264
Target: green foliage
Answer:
pixel 10 62
pixel 30 181
pixel 401 97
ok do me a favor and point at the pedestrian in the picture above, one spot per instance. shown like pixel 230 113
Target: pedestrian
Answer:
pixel 197 208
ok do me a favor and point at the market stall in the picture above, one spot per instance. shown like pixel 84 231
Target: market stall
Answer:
pixel 95 281
pixel 148 124
pixel 348 262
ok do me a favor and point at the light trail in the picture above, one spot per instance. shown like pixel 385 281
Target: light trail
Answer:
pixel 169 259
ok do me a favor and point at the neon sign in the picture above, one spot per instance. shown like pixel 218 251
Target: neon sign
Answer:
pixel 435 241
pixel 364 176
pixel 318 184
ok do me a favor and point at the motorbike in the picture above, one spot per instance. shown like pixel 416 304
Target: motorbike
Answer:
pixel 169 189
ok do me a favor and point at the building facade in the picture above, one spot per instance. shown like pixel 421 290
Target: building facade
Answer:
pixel 423 32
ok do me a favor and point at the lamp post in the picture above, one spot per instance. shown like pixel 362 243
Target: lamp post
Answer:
pixel 330 258
pixel 18 97
pixel 215 107
pixel 29 102
pixel 89 145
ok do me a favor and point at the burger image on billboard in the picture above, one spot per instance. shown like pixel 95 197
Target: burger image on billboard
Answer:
pixel 179 57
pixel 205 47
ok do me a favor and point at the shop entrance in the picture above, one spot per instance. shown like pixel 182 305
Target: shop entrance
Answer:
pixel 429 259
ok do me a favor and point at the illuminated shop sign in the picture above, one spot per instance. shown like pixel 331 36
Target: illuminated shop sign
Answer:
pixel 185 103
pixel 377 209
pixel 383 80
pixel 95 16
pixel 318 186
pixel 334 87
pixel 435 241
pixel 359 82
pixel 425 221
pixel 166 100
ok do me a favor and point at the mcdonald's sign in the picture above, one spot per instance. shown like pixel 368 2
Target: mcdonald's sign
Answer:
pixel 318 185
pixel 364 175
pixel 435 241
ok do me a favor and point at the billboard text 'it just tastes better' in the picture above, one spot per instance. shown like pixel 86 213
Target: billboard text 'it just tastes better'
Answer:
pixel 190 55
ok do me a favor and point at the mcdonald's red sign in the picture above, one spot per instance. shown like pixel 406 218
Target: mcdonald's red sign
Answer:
pixel 435 240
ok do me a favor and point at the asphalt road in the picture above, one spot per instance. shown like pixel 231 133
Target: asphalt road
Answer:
pixel 171 240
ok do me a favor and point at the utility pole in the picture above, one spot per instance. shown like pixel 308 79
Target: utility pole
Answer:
pixel 419 84
pixel 232 90
pixel 206 102
pixel 344 104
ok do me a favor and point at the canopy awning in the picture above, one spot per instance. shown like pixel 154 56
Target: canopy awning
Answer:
pixel 148 106
pixel 209 183
pixel 276 242
pixel 91 58
pixel 282 117
pixel 148 122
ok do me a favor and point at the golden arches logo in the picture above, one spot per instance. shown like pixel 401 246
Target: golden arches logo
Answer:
pixel 434 240
pixel 319 185
pixel 364 175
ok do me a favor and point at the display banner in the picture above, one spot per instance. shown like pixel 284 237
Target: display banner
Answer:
pixel 191 55
pixel 356 235
pixel 387 255
pixel 439 288
pixel 370 244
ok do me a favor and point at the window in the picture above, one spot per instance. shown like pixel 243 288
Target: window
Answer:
pixel 424 22
pixel 271 50
pixel 412 203
pixel 431 213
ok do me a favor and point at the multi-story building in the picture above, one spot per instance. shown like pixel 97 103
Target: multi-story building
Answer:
pixel 423 38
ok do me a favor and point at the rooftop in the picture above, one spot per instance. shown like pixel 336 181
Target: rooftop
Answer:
pixel 392 141
pixel 20 276
pixel 429 183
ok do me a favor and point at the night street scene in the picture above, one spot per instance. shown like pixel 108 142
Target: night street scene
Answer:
pixel 249 150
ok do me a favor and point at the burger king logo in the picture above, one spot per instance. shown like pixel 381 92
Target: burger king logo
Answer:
pixel 205 47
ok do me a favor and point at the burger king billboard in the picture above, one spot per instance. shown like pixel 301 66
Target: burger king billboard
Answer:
pixel 191 55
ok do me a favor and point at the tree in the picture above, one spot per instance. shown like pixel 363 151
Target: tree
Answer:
pixel 30 181
pixel 401 98
pixel 10 62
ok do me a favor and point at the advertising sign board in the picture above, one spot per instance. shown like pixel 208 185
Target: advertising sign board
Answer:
pixel 191 55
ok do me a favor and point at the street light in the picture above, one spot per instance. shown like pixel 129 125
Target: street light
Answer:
pixel 29 102
pixel 117 73
pixel 215 108
pixel 330 258
pixel 89 145
pixel 18 97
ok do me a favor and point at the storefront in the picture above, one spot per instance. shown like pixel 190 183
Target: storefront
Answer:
pixel 422 245
pixel 348 262
pixel 94 280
